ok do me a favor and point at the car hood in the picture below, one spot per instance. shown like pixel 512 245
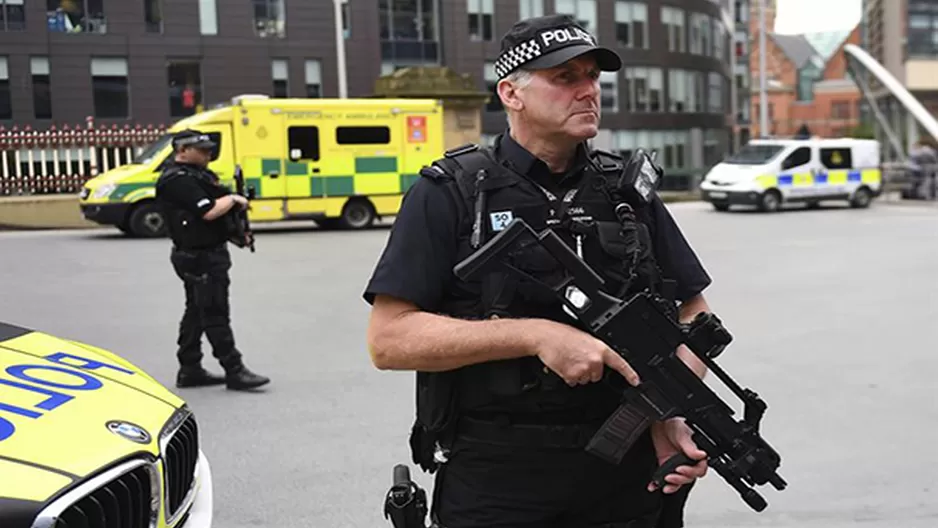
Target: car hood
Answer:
pixel 115 175
pixel 68 410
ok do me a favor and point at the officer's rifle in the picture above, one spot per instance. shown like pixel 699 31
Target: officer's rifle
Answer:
pixel 640 330
pixel 243 235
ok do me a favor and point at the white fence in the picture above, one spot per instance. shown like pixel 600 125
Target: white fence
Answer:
pixel 60 160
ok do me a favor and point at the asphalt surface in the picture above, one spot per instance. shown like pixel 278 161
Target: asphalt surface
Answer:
pixel 832 311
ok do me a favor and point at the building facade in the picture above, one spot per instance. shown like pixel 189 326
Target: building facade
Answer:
pixel 902 35
pixel 807 85
pixel 155 61
pixel 743 14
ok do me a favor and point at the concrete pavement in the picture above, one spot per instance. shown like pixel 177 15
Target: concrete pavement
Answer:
pixel 831 312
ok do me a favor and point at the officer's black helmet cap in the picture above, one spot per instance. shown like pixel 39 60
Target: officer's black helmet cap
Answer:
pixel 194 139
pixel 554 39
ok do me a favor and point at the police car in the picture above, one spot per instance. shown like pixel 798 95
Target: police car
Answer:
pixel 89 440
pixel 769 173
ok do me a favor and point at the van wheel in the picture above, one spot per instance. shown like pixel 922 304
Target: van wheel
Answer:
pixel 861 199
pixel 146 221
pixel 722 207
pixel 770 201
pixel 357 214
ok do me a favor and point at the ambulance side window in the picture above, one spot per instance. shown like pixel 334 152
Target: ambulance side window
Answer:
pixel 303 142
pixel 799 157
pixel 362 135
pixel 836 158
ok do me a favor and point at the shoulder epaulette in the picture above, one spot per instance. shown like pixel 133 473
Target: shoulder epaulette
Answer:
pixel 460 150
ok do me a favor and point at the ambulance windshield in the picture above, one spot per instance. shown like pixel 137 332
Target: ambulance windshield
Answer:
pixel 153 149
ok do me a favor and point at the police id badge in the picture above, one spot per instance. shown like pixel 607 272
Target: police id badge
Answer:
pixel 500 220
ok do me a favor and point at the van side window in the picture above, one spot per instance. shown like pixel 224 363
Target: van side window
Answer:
pixel 836 158
pixel 303 142
pixel 362 135
pixel 797 158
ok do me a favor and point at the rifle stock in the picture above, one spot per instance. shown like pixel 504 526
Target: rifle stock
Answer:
pixel 644 332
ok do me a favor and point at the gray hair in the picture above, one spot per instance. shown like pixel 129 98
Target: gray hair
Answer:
pixel 520 78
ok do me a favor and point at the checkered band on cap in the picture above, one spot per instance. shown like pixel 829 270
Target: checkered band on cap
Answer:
pixel 515 57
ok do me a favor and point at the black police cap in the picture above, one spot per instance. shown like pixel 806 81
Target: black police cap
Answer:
pixel 547 41
pixel 192 138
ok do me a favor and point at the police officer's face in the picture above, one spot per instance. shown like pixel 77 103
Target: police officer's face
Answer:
pixel 195 156
pixel 562 100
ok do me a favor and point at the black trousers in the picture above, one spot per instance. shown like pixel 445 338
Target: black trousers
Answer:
pixel 204 274
pixel 485 484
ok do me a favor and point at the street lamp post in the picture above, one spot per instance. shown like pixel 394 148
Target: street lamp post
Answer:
pixel 340 50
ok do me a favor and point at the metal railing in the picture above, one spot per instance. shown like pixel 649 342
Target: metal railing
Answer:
pixel 60 160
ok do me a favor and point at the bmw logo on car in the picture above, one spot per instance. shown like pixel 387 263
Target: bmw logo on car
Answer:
pixel 129 431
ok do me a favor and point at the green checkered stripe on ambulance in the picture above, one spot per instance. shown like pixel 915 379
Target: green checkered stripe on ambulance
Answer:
pixel 345 177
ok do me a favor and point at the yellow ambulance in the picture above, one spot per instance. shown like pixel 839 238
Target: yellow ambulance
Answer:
pixel 341 162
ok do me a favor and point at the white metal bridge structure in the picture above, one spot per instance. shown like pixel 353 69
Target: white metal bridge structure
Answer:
pixel 859 64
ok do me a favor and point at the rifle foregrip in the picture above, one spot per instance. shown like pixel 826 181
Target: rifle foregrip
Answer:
pixel 669 466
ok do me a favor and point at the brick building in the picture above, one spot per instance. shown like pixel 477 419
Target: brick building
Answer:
pixel 807 84
pixel 154 61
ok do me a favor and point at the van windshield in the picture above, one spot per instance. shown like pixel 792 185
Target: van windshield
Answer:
pixel 147 154
pixel 754 154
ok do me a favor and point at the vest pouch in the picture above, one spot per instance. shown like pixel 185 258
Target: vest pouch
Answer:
pixel 435 401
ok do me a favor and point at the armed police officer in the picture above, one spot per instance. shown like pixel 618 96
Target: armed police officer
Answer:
pixel 198 212
pixel 508 387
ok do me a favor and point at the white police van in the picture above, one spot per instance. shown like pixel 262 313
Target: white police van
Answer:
pixel 768 173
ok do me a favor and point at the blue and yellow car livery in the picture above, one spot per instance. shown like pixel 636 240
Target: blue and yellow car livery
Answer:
pixel 770 173
pixel 88 439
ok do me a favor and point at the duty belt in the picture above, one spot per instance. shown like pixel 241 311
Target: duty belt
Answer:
pixel 561 436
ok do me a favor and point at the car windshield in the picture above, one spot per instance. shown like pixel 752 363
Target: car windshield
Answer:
pixel 147 155
pixel 754 154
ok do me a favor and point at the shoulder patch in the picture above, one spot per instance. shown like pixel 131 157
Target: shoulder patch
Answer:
pixel 434 172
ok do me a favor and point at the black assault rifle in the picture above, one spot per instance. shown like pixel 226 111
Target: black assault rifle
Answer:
pixel 242 226
pixel 641 331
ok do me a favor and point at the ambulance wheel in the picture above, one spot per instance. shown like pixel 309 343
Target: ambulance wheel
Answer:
pixel 770 201
pixel 146 221
pixel 861 199
pixel 357 214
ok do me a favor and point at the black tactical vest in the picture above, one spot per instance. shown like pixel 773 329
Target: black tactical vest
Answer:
pixel 618 248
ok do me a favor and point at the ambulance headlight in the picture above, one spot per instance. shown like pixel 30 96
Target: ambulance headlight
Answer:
pixel 104 191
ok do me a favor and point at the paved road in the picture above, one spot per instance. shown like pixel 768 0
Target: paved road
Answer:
pixel 829 308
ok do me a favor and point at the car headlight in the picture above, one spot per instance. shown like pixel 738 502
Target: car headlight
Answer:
pixel 104 191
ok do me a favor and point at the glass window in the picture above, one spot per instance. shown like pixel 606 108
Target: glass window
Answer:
pixel 111 91
pixel 153 15
pixel 76 16
pixel 531 8
pixel 584 11
pixel 678 94
pixel 362 135
pixel 42 87
pixel 715 102
pixel 281 77
pixel 481 19
pixel 643 89
pixel 303 143
pixel 269 18
pixel 491 80
pixel 632 24
pixel 673 20
pixel 12 15
pixel 208 17
pixel 609 83
pixel 6 106
pixel 409 30
pixel 184 79
pixel 313 79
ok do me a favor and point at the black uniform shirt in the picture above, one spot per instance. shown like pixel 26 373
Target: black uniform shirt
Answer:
pixel 186 193
pixel 417 263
